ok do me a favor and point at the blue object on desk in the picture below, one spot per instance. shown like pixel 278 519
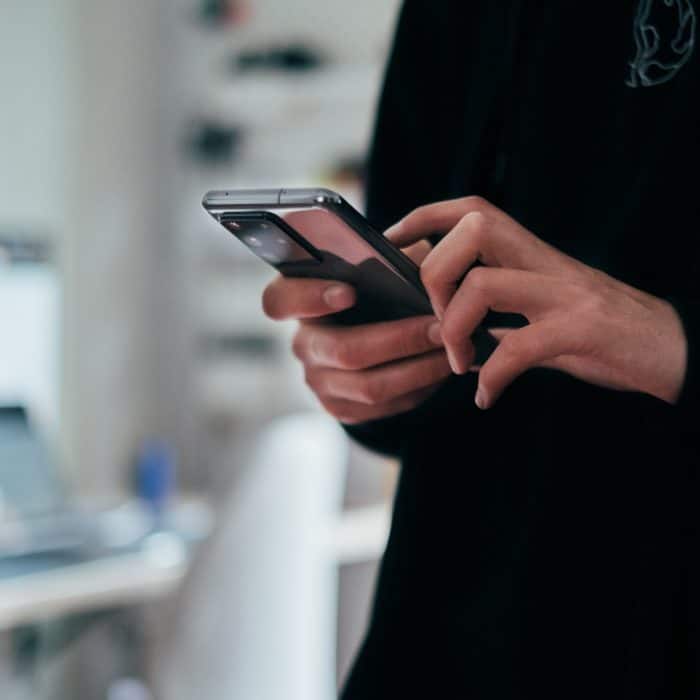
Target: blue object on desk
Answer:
pixel 155 474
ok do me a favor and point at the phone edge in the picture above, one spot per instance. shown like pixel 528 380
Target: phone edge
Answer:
pixel 220 201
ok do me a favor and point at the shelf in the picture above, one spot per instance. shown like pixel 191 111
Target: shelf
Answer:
pixel 271 98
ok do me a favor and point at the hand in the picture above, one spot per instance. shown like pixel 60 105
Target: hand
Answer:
pixel 359 373
pixel 581 321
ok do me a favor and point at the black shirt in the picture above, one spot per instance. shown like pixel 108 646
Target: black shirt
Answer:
pixel 547 547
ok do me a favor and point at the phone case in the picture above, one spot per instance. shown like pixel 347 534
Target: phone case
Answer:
pixel 382 294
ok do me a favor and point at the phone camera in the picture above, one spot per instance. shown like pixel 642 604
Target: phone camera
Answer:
pixel 253 241
pixel 277 250
pixel 267 241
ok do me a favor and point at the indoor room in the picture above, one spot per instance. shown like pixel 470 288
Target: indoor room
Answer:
pixel 349 350
pixel 178 517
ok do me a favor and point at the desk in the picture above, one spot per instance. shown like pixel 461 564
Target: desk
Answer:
pixel 154 570
pixel 39 588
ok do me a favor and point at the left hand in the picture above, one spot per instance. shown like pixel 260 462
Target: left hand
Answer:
pixel 581 321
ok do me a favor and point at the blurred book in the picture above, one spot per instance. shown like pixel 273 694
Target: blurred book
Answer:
pixel 291 58
pixel 17 249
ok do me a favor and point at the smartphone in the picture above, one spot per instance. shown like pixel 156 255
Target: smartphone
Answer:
pixel 315 233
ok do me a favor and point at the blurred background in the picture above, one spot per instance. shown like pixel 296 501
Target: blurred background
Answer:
pixel 177 517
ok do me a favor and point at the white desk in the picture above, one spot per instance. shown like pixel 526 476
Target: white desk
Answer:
pixel 112 581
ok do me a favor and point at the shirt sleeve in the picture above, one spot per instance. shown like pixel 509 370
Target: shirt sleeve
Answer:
pixel 394 175
pixel 390 436
pixel 385 436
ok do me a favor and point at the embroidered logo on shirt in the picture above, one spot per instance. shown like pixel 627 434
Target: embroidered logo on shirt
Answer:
pixel 664 32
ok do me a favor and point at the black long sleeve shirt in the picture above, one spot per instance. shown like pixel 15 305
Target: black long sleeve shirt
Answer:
pixel 549 546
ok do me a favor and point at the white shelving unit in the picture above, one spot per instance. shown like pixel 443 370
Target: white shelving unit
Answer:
pixel 294 128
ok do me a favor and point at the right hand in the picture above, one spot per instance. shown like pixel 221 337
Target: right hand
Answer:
pixel 358 373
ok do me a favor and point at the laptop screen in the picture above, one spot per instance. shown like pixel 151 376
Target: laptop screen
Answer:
pixel 29 482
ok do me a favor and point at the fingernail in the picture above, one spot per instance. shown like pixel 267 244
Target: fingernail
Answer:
pixel 339 297
pixel 453 361
pixel 391 231
pixel 435 333
pixel 481 399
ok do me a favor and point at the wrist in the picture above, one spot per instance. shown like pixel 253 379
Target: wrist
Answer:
pixel 673 355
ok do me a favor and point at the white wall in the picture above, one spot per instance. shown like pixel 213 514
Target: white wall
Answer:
pixel 29 351
pixel 110 254
pixel 35 83
pixel 33 117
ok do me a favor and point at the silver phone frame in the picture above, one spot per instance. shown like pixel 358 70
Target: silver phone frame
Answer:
pixel 220 202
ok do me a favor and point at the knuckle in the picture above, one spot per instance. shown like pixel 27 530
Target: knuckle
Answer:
pixel 429 274
pixel 474 227
pixel 510 345
pixel 314 346
pixel 419 213
pixel 477 279
pixel 327 348
pixel 475 202
pixel 319 346
pixel 595 304
pixel 299 343
pixel 342 355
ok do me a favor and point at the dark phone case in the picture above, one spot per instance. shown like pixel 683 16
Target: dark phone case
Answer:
pixel 381 294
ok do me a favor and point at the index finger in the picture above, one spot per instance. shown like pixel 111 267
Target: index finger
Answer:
pixel 501 290
pixel 433 218
pixel 289 297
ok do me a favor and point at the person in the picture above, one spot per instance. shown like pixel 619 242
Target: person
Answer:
pixel 544 540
